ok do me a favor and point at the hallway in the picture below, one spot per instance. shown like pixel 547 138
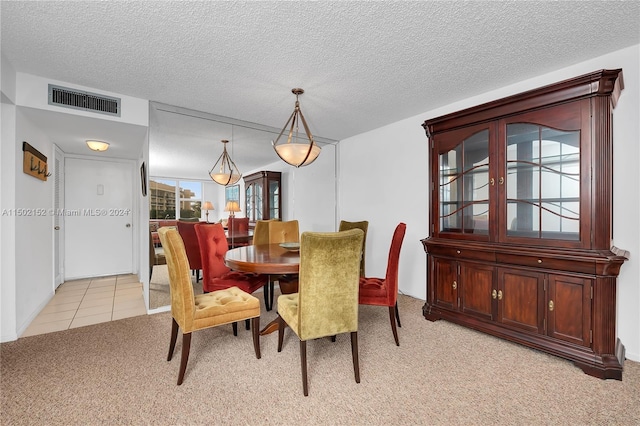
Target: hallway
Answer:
pixel 90 301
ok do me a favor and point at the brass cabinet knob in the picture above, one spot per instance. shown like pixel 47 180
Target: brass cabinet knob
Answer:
pixel 454 285
pixel 494 294
pixel 539 260
pixel 501 180
pixel 500 295
pixel 550 305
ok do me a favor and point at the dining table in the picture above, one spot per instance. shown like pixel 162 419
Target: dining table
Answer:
pixel 268 259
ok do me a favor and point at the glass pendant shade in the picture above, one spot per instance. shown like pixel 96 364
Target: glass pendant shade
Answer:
pixel 225 172
pixel 298 150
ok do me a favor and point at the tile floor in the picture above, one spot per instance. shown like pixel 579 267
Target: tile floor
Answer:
pixel 90 301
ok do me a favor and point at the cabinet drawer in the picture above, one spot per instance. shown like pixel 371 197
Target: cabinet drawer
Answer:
pixel 462 253
pixel 547 262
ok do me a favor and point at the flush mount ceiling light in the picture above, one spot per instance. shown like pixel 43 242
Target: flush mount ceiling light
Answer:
pixel 298 150
pixel 97 146
pixel 225 172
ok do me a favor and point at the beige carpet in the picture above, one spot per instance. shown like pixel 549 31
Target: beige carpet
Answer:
pixel 159 294
pixel 116 374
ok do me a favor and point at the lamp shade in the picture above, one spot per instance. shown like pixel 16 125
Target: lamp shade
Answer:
pixel 299 149
pixel 207 206
pixel 232 206
pixel 225 172
pixel 97 145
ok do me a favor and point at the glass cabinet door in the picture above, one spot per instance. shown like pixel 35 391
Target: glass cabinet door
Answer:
pixel 544 172
pixel 543 182
pixel 463 185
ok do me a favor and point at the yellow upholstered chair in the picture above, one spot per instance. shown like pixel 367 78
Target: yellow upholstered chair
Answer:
pixel 326 303
pixel 284 232
pixel 196 312
pixel 261 232
pixel 364 225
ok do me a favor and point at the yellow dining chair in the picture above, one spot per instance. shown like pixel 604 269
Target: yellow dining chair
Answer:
pixel 196 312
pixel 283 232
pixel 261 237
pixel 326 303
pixel 364 225
pixel 261 232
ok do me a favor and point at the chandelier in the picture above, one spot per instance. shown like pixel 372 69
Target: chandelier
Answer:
pixel 298 150
pixel 225 172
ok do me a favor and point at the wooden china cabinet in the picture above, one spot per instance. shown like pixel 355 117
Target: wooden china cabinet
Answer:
pixel 263 196
pixel 521 221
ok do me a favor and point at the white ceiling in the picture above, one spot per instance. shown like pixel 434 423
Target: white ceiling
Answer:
pixel 362 64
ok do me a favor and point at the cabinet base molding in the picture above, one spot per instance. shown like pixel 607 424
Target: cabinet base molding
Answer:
pixel 607 366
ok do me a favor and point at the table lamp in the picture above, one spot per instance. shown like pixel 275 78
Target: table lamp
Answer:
pixel 232 207
pixel 206 207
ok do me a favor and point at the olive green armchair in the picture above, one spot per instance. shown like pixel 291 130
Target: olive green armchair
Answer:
pixel 326 303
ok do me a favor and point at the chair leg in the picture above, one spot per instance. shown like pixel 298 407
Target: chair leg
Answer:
pixel 303 364
pixel 235 328
pixel 247 324
pixel 271 290
pixel 398 315
pixel 392 318
pixel 354 354
pixel 280 332
pixel 255 323
pixel 174 336
pixel 186 345
pixel 265 290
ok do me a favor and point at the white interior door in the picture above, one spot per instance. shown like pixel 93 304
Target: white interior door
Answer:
pixel 58 219
pixel 98 218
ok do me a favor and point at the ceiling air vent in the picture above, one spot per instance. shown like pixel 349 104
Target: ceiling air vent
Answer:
pixel 77 99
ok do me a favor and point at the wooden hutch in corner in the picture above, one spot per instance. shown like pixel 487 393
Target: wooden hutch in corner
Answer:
pixel 521 221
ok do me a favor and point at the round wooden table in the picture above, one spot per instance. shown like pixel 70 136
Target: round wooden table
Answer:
pixel 269 259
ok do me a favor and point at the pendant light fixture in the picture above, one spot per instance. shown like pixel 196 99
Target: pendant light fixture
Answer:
pixel 225 172
pixel 298 150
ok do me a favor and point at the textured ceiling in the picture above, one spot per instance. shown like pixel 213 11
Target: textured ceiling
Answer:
pixel 362 64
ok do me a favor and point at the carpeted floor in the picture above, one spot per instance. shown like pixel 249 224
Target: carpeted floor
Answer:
pixel 159 294
pixel 116 373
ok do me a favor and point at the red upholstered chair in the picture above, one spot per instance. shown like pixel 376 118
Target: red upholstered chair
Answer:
pixel 384 291
pixel 237 226
pixel 187 231
pixel 215 274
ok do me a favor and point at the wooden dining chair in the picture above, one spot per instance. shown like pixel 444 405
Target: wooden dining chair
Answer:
pixel 364 225
pixel 384 291
pixel 326 303
pixel 191 312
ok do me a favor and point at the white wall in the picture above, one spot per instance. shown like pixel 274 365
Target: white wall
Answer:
pixel 7 203
pixel 32 92
pixel 34 232
pixel 383 179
